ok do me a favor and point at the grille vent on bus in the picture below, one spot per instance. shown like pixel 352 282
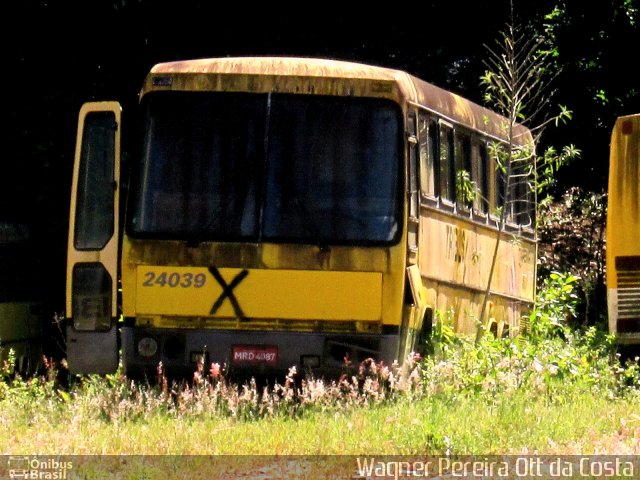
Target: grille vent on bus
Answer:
pixel 628 269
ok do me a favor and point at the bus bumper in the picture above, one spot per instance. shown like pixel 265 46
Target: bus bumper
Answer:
pixel 250 352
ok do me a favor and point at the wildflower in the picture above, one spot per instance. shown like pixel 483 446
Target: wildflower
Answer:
pixel 368 367
pixel 537 366
pixel 504 363
pixel 289 380
pixel 385 373
pixel 412 359
pixel 160 373
pixel 414 377
pixel 346 360
pixel 214 371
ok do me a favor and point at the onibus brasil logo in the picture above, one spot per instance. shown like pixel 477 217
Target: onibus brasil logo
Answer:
pixel 37 468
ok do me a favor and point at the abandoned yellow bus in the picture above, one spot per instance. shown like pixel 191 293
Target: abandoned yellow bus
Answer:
pixel 287 212
pixel 623 231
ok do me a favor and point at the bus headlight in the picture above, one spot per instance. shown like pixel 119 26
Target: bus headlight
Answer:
pixel 147 347
pixel 91 297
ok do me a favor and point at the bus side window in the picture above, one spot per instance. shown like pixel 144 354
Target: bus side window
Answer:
pixel 427 138
pixel 447 165
pixel 95 193
pixel 531 204
pixel 522 196
pixel 497 182
pixel 413 167
pixel 501 191
pixel 480 175
pixel 464 187
pixel 514 200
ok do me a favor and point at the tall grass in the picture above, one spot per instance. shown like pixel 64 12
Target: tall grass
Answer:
pixel 551 390
pixel 563 395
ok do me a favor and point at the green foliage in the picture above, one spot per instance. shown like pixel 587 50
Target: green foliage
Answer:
pixel 8 368
pixel 549 368
pixel 544 361
pixel 518 76
pixel 500 153
pixel 443 336
pixel 572 237
pixel 466 189
pixel 550 162
pixel 564 116
pixel 631 10
pixel 601 97
pixel 495 367
pixel 592 40
pixel 520 71
pixel 556 303
pixel 487 397
pixel 547 359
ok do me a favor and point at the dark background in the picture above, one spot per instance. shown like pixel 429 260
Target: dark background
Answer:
pixel 63 53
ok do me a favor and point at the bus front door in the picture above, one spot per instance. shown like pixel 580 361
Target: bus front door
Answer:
pixel 92 254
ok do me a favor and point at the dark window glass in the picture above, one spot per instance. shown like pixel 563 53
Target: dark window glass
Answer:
pixel 522 194
pixel 464 186
pixel 434 153
pixel 428 139
pixel 480 175
pixel 414 185
pixel 94 202
pixel 226 166
pixel 485 161
pixel 500 187
pixel 201 158
pixel 91 307
pixel 447 165
pixel 332 172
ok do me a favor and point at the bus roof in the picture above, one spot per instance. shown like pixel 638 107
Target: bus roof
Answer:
pixel 454 108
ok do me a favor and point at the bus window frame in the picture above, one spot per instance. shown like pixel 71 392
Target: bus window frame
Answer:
pixel 85 189
pixel 480 174
pixel 449 201
pixel 413 164
pixel 413 183
pixel 494 178
pixel 480 141
pixel 428 145
pixel 462 140
pixel 401 187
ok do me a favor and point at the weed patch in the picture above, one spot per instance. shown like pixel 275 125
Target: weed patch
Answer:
pixel 551 389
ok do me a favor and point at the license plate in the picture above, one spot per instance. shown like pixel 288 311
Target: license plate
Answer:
pixel 255 355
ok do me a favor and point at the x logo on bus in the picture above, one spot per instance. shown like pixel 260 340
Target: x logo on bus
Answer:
pixel 227 292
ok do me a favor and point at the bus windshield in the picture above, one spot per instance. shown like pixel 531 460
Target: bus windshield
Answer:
pixel 268 167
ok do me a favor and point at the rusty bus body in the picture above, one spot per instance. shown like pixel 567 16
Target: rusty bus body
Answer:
pixel 330 230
